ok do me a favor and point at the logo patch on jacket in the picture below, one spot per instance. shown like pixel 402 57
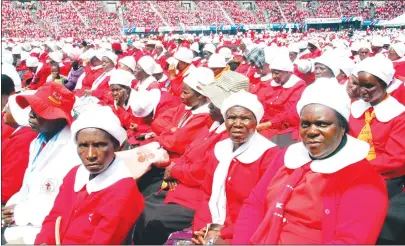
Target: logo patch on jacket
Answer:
pixel 49 185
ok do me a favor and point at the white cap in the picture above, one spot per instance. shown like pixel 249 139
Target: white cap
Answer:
pixel 243 99
pixel 195 47
pixel 147 63
pixel 328 92
pixel 399 48
pixel 328 61
pixel 386 40
pixel 27 47
pixel 101 117
pixel 56 56
pixel 7 57
pixel 365 45
pixel 304 66
pixel 110 55
pixel 158 69
pixel 145 102
pixel 210 48
pixel 32 62
pixel 138 45
pixel 378 66
pixel 294 48
pixel 128 61
pixel 198 76
pixel 346 65
pixel 172 60
pixel 377 41
pixel 247 41
pixel 106 46
pixel 10 71
pixel 216 61
pixel 282 62
pixel 225 52
pixel 16 50
pixel 184 55
pixel 121 77
pixel 51 45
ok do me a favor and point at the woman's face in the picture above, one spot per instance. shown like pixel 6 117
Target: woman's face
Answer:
pixel 280 77
pixel 240 124
pixel 364 53
pixel 322 71
pixel 39 124
pixel 215 113
pixel 292 56
pixel 320 130
pixel 392 55
pixel 370 89
pixel 120 94
pixel 352 87
pixel 207 54
pixel 125 68
pixel 108 65
pixel 8 118
pixel 95 148
pixel 189 97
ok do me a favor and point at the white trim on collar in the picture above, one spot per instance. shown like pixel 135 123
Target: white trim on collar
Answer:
pixel 259 145
pixel 394 85
pixel 200 110
pixel 146 83
pixel 354 151
pixel 385 111
pixel 217 127
pixel 292 81
pixel 256 75
pixel 266 77
pixel 114 173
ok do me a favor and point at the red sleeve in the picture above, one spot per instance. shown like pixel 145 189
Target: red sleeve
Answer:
pixel 175 86
pixel 163 122
pixel 178 141
pixel 47 233
pixel 102 90
pixel 253 209
pixel 393 157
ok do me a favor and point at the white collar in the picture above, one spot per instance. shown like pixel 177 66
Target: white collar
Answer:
pixel 200 110
pixel 394 85
pixel 354 151
pixel 125 106
pixel 402 59
pixel 146 83
pixel 115 172
pixel 385 111
pixel 292 81
pixel 217 127
pixel 258 146
pixel 266 77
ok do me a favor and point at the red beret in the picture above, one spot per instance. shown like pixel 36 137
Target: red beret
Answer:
pixel 116 46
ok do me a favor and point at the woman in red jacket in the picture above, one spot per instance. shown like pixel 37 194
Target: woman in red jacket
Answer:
pixel 99 201
pixel 379 119
pixel 234 167
pixel 325 190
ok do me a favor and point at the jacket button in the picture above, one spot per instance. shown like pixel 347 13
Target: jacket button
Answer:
pixel 76 211
pixel 327 211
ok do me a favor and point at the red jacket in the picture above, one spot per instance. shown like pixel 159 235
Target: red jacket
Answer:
pixel 15 155
pixel 90 76
pixel 103 217
pixel 41 76
pixel 309 78
pixel 241 179
pixel 175 87
pixel 399 93
pixel 190 170
pixel 355 193
pixel 388 139
pixel 399 69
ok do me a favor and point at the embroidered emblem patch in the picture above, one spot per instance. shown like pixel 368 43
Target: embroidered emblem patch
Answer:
pixel 49 185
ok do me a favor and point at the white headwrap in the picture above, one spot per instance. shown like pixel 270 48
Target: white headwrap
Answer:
pixel 101 117
pixel 378 66
pixel 243 99
pixel 199 76
pixel 147 63
pixel 121 77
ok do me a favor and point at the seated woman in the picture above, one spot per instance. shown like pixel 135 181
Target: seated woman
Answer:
pixel 325 190
pixel 55 75
pixel 99 201
pixel 233 168
pixel 186 175
pixel 379 119
pixel 280 100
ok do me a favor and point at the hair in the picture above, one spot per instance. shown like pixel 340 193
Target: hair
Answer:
pixel 118 52
pixel 56 65
pixel 342 121
pixel 7 85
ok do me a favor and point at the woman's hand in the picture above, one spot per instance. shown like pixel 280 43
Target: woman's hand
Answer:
pixel 171 185
pixel 8 214
pixel 202 237
pixel 167 175
pixel 198 236
pixel 263 126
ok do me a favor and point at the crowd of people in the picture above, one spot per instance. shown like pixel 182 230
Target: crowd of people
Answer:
pixel 255 138
pixel 65 18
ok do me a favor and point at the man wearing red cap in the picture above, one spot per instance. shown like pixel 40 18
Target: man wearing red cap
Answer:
pixel 52 155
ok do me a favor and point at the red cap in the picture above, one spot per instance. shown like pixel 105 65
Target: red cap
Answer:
pixel 51 101
pixel 116 46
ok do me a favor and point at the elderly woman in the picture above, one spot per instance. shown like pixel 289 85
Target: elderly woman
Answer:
pixel 187 173
pixel 101 192
pixel 183 63
pixel 325 190
pixel 379 119
pixel 143 73
pixel 325 66
pixel 397 55
pixel 233 169
pixel 281 97
pixel 51 157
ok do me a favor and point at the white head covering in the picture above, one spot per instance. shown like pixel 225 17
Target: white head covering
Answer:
pixel 16 50
pixel 346 65
pixel 378 66
pixel 195 47
pixel 32 62
pixel 10 71
pixel 210 48
pixel 294 48
pixel 330 62
pixel 328 92
pixel 20 115
pixel 247 41
pixel 282 62
pixel 365 45
pixel 147 63
pixel 56 56
pixel 184 54
pixel 243 99
pixel 101 117
pixel 216 61
pixel 145 102
pixel 158 69
pixel 7 57
pixel 377 41
pixel 110 55
pixel 199 76
pixel 399 49
pixel 121 77
pixel 304 66
pixel 226 52
pixel 128 61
